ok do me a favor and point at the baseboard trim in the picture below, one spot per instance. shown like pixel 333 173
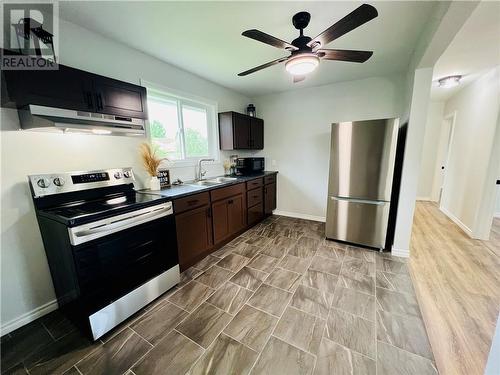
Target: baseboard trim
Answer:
pixel 402 253
pixel 457 221
pixel 300 216
pixel 28 317
pixel 424 199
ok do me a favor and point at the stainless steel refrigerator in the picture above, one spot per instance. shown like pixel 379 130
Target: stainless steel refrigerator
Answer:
pixel 359 188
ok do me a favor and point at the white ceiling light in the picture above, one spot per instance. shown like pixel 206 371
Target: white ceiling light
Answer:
pixel 302 64
pixel 450 81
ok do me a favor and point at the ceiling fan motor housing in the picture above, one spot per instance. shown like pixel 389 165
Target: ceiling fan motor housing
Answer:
pixel 301 20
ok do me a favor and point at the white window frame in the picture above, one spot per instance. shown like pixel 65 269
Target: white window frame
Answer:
pixel 187 99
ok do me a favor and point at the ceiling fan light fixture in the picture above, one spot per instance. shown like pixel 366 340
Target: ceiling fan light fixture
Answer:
pixel 302 64
pixel 450 81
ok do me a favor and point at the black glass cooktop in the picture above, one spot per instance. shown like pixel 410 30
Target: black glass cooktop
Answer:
pixel 80 211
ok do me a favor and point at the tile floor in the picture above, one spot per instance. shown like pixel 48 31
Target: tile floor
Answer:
pixel 279 299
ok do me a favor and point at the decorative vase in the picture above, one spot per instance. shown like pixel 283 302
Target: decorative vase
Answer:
pixel 154 183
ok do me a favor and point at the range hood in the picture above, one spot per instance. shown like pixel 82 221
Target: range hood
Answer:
pixel 37 117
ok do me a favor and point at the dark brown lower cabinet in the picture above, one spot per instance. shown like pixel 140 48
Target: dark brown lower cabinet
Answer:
pixel 255 213
pixel 206 221
pixel 194 235
pixel 269 198
pixel 228 217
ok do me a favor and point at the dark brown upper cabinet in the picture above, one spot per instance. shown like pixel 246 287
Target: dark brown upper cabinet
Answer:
pixel 74 89
pixel 240 132
pixel 65 88
pixel 119 98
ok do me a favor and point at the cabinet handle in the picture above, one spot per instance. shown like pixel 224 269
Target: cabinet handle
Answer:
pixel 99 101
pixel 230 201
pixel 209 212
pixel 89 100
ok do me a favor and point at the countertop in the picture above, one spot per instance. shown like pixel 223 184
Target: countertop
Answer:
pixel 179 191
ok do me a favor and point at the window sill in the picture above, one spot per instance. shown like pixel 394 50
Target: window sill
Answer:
pixel 191 163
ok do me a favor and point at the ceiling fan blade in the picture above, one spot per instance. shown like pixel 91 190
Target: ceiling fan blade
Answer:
pixel 266 65
pixel 356 18
pixel 344 55
pixel 268 39
pixel 298 78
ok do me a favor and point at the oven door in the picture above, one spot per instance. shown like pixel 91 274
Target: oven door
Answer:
pixel 111 266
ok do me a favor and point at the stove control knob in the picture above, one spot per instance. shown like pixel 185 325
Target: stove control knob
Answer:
pixel 118 175
pixel 59 181
pixel 127 174
pixel 43 183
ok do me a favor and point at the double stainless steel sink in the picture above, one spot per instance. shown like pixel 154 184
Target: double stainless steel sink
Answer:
pixel 213 181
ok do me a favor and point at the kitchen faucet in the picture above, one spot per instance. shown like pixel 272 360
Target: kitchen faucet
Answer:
pixel 200 172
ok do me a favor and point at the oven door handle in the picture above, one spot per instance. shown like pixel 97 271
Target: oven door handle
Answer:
pixel 89 232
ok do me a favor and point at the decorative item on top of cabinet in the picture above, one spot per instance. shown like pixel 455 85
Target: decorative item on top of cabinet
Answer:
pixel 251 110
pixel 240 132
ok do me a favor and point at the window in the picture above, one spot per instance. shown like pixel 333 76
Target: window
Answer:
pixel 182 129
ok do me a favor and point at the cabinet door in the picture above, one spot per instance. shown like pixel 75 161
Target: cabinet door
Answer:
pixel 120 98
pixel 220 220
pixel 241 131
pixel 255 213
pixel 66 88
pixel 256 133
pixel 236 213
pixel 269 198
pixel 194 235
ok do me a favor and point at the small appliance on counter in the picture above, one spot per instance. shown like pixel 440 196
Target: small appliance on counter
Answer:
pixel 111 250
pixel 249 166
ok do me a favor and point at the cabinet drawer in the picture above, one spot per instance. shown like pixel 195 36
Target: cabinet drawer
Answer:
pixel 226 192
pixel 190 202
pixel 254 196
pixel 255 183
pixel 270 179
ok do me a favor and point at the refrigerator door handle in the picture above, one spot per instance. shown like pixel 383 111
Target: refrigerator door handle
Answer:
pixel 355 200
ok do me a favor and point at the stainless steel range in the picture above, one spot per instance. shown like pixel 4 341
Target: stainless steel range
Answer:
pixel 111 250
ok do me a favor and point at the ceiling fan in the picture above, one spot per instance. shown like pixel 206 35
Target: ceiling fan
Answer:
pixel 306 53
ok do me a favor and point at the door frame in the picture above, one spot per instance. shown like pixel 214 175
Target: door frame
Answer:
pixel 453 117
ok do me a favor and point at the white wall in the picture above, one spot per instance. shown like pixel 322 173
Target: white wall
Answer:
pixel 477 110
pixel 26 286
pixel 497 203
pixel 297 134
pixel 429 164
pixel 419 103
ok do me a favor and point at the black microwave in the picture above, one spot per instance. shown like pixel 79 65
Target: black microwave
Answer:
pixel 247 166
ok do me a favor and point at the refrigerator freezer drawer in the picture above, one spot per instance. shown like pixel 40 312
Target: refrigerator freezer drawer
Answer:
pixel 358 221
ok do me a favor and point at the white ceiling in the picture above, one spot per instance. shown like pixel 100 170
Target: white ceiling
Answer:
pixel 205 37
pixel 475 49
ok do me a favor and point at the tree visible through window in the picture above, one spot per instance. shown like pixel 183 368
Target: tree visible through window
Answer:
pixel 180 129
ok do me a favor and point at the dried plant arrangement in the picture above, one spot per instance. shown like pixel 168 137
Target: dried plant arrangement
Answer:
pixel 150 160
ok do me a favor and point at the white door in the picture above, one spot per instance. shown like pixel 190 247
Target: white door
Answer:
pixel 442 157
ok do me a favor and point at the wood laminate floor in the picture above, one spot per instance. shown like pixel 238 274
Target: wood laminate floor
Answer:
pixel 457 280
pixel 279 299
pixel 494 243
